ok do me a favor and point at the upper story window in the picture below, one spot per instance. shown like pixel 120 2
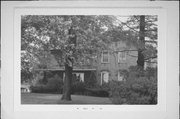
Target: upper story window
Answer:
pixel 121 56
pixel 105 57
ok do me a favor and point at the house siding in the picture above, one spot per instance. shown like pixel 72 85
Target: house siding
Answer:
pixel 113 66
pixel 89 75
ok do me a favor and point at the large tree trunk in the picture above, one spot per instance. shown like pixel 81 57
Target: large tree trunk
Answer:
pixel 140 61
pixel 67 83
pixel 69 66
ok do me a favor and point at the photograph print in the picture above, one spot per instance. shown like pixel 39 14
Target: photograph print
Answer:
pixel 89 59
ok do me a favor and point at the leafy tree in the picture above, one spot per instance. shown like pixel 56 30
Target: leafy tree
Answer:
pixel 144 28
pixel 69 38
pixel 26 64
pixel 75 38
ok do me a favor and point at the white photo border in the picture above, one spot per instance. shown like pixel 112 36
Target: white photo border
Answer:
pixel 91 11
pixel 158 111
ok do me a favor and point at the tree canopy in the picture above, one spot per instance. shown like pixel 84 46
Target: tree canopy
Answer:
pixel 43 34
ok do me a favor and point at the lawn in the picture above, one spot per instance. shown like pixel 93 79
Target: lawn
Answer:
pixel 39 98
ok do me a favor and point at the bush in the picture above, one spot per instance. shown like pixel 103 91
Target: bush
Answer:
pixel 37 88
pixel 97 92
pixel 151 72
pixel 91 81
pixel 78 87
pixel 134 93
pixel 82 88
pixel 54 85
pixel 139 88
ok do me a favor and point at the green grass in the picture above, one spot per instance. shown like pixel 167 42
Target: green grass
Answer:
pixel 38 98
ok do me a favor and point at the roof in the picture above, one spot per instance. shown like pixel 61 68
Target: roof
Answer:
pixel 64 69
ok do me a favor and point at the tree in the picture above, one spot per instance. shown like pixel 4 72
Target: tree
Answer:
pixel 144 30
pixel 69 38
pixel 72 39
pixel 140 61
pixel 69 65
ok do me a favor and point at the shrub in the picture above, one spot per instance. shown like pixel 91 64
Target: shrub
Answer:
pixel 105 86
pixel 78 87
pixel 91 81
pixel 54 85
pixel 151 72
pixel 97 92
pixel 138 89
pixel 37 88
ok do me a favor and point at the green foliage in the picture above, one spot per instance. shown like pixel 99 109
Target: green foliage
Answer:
pixel 150 25
pixel 151 72
pixel 98 92
pixel 26 76
pixel 26 67
pixel 138 89
pixel 135 71
pixel 42 33
pixel 91 81
pixel 78 87
pixel 54 85
pixel 89 88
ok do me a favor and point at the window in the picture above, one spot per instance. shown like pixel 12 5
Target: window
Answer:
pixel 76 76
pixel 121 56
pixel 120 76
pixel 104 77
pixel 105 57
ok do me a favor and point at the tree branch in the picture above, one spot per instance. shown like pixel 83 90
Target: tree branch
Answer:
pixel 151 57
pixel 136 31
pixel 148 41
pixel 128 26
pixel 124 50
pixel 132 55
pixel 150 62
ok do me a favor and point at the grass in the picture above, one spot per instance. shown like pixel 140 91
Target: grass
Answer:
pixel 38 98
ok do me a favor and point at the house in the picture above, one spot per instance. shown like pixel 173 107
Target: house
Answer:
pixel 111 65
